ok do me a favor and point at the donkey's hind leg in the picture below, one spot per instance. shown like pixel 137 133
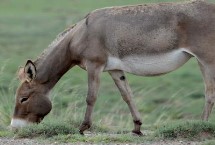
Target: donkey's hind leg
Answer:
pixel 122 84
pixel 208 72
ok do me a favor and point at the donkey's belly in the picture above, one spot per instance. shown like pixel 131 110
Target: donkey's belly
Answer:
pixel 149 65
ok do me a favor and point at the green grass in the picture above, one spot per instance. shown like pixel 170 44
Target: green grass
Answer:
pixel 46 130
pixel 209 142
pixel 27 27
pixel 99 138
pixel 191 130
pixel 57 131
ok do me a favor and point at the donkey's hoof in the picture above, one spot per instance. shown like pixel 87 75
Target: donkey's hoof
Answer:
pixel 138 133
pixel 83 127
pixel 81 132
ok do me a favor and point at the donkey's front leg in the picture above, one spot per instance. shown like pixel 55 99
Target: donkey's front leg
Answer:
pixel 94 71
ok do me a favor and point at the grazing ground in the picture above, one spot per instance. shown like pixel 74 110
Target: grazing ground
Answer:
pixel 168 104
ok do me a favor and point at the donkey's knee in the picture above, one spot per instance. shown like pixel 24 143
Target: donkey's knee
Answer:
pixel 210 100
pixel 126 99
pixel 91 100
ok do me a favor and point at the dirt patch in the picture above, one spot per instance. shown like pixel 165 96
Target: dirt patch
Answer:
pixel 13 141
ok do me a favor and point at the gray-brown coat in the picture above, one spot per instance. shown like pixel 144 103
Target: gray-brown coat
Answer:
pixel 144 40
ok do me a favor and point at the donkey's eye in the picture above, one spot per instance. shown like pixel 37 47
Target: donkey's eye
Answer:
pixel 24 99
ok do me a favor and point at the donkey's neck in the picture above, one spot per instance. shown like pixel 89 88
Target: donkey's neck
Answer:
pixel 54 62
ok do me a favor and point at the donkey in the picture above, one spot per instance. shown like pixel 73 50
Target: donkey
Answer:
pixel 145 40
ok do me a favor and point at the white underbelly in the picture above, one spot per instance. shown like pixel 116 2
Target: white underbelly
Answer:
pixel 149 65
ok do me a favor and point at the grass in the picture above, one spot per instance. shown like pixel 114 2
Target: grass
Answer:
pixel 191 130
pixel 56 131
pixel 209 142
pixel 67 132
pixel 100 138
pixel 27 27
pixel 46 130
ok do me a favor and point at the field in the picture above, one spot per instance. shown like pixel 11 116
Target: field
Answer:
pixel 166 103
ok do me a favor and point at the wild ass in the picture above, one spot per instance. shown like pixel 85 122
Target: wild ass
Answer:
pixel 144 40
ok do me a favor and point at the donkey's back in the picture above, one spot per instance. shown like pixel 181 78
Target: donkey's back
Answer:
pixel 152 39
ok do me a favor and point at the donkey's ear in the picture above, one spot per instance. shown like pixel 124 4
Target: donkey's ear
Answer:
pixel 21 74
pixel 30 71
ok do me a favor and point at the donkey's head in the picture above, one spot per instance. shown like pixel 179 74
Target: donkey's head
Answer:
pixel 32 102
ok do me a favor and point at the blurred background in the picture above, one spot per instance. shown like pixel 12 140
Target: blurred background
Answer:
pixel 27 27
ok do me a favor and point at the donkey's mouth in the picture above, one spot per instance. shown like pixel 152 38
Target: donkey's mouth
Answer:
pixel 18 123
